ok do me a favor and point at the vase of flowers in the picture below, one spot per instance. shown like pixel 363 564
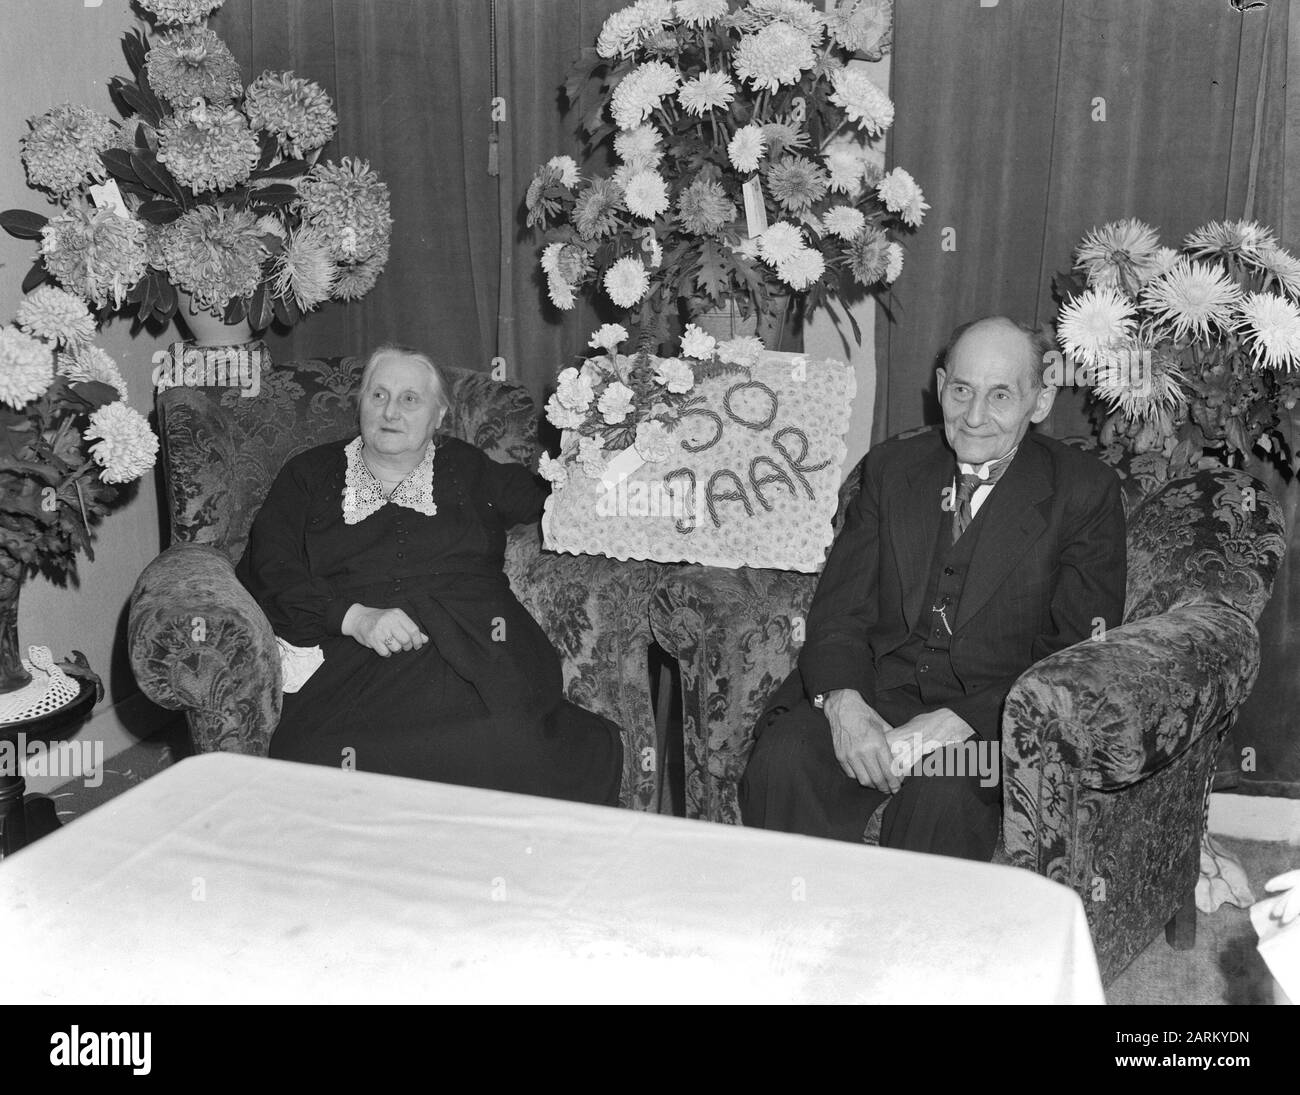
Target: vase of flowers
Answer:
pixel 1191 352
pixel 206 188
pixel 742 180
pixel 69 445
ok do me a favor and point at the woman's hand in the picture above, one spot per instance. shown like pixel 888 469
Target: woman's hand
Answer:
pixel 384 630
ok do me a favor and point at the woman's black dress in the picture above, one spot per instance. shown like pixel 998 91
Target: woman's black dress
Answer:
pixel 481 702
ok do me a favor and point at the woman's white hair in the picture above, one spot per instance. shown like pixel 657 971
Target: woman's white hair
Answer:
pixel 393 349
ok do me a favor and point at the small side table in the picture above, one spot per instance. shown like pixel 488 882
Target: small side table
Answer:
pixel 23 817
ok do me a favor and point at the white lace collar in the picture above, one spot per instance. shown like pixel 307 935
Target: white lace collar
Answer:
pixel 363 494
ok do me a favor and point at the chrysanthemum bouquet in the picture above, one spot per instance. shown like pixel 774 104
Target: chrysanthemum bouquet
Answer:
pixel 68 443
pixel 742 178
pixel 1193 352
pixel 222 195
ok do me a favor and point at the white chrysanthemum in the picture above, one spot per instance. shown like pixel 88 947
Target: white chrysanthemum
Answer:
pixel 304 269
pixel 893 263
pixel 675 375
pixel 1191 298
pixel 615 403
pixel 780 242
pixel 94 251
pixel 629 27
pixel 574 390
pixel 801 269
pixel 1281 268
pixel 639 148
pixel 180 12
pixel 562 417
pixel 774 57
pixel 641 91
pixel 552 470
pixel 746 148
pixel 695 13
pixel 646 195
pixel 901 195
pixel 797 13
pixel 845 167
pixel 90 363
pixel 1118 255
pixel 1095 324
pixel 843 221
pixel 551 258
pixel 859 26
pixel 296 111
pixel 653 441
pixel 1245 240
pixel 608 337
pixel 560 292
pixel 567 167
pixel 708 91
pixel 126 448
pixel 862 101
pixel 626 282
pixel 208 149
pixel 698 343
pixel 57 315
pixel 1271 326
pixel 740 351
pixel 26 367
pixel 1141 382
pixel 1164 260
pixel 62 151
pixel 193 63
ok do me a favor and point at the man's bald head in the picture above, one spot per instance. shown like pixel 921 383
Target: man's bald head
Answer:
pixel 1034 346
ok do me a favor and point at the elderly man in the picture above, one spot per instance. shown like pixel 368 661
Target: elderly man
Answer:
pixel 968 555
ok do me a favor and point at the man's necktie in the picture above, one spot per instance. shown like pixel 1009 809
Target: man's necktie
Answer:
pixel 967 485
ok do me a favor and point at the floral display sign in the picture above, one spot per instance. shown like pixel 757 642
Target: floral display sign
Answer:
pixel 700 459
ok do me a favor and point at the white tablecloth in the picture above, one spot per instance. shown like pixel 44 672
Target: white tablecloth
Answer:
pixel 240 879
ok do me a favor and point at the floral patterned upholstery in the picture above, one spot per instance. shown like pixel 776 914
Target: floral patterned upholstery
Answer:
pixel 1108 747
pixel 199 643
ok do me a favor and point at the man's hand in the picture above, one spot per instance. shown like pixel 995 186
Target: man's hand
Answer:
pixel 923 734
pixel 384 630
pixel 859 736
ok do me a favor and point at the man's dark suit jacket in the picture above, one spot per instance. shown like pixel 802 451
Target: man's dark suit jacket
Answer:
pixel 1050 561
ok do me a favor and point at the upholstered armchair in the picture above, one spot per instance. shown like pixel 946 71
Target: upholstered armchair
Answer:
pixel 1108 747
pixel 199 643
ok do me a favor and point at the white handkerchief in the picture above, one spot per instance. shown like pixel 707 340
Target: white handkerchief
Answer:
pixel 298 663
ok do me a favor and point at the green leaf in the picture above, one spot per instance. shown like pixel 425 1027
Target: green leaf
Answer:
pixel 23 224
pixel 154 175
pixel 37 275
pixel 259 308
pixel 118 163
pixel 140 102
pixel 96 392
pixel 134 48
pixel 159 211
pixel 289 169
pixel 275 194
pixel 165 307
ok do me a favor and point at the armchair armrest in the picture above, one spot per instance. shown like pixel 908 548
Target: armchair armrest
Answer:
pixel 199 642
pixel 736 636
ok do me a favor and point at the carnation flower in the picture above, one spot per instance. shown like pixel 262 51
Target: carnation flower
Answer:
pixel 893 263
pixel 193 64
pixel 608 337
pixel 675 375
pixel 639 148
pixel 1095 324
pixel 708 91
pixel 208 149
pixel 56 315
pixel 695 13
pixel 562 417
pixel 64 145
pixel 740 351
pixel 845 167
pixel 775 56
pixel 552 470
pixel 304 269
pixel 698 343
pixel 1280 268
pixel 180 12
pixel 94 252
pixel 294 110
pixel 868 257
pixel 215 254
pixel 349 205
pixel 653 441
pixel 640 92
pixel 1191 298
pixel 127 447
pixel 591 456
pixel 615 403
pixel 26 367
pixel 746 148
pixel 1271 326
pixel 796 183
pixel 595 211
pixel 843 221
pixel 862 101
pixel 780 242
pixel 704 208
pixel 353 280
pixel 801 269
pixel 631 26
pixel 901 195
pixel 1118 255
pixel 626 282
pixel 1242 240
pixel 574 390
pixel 646 195
pixel 90 363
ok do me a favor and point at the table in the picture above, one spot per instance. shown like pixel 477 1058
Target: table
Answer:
pixel 229 878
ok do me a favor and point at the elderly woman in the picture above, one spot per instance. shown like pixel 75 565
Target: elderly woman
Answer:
pixel 386 552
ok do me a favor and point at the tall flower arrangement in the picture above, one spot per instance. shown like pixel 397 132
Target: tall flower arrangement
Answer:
pixel 1194 351
pixel 68 445
pixel 742 176
pixel 206 186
